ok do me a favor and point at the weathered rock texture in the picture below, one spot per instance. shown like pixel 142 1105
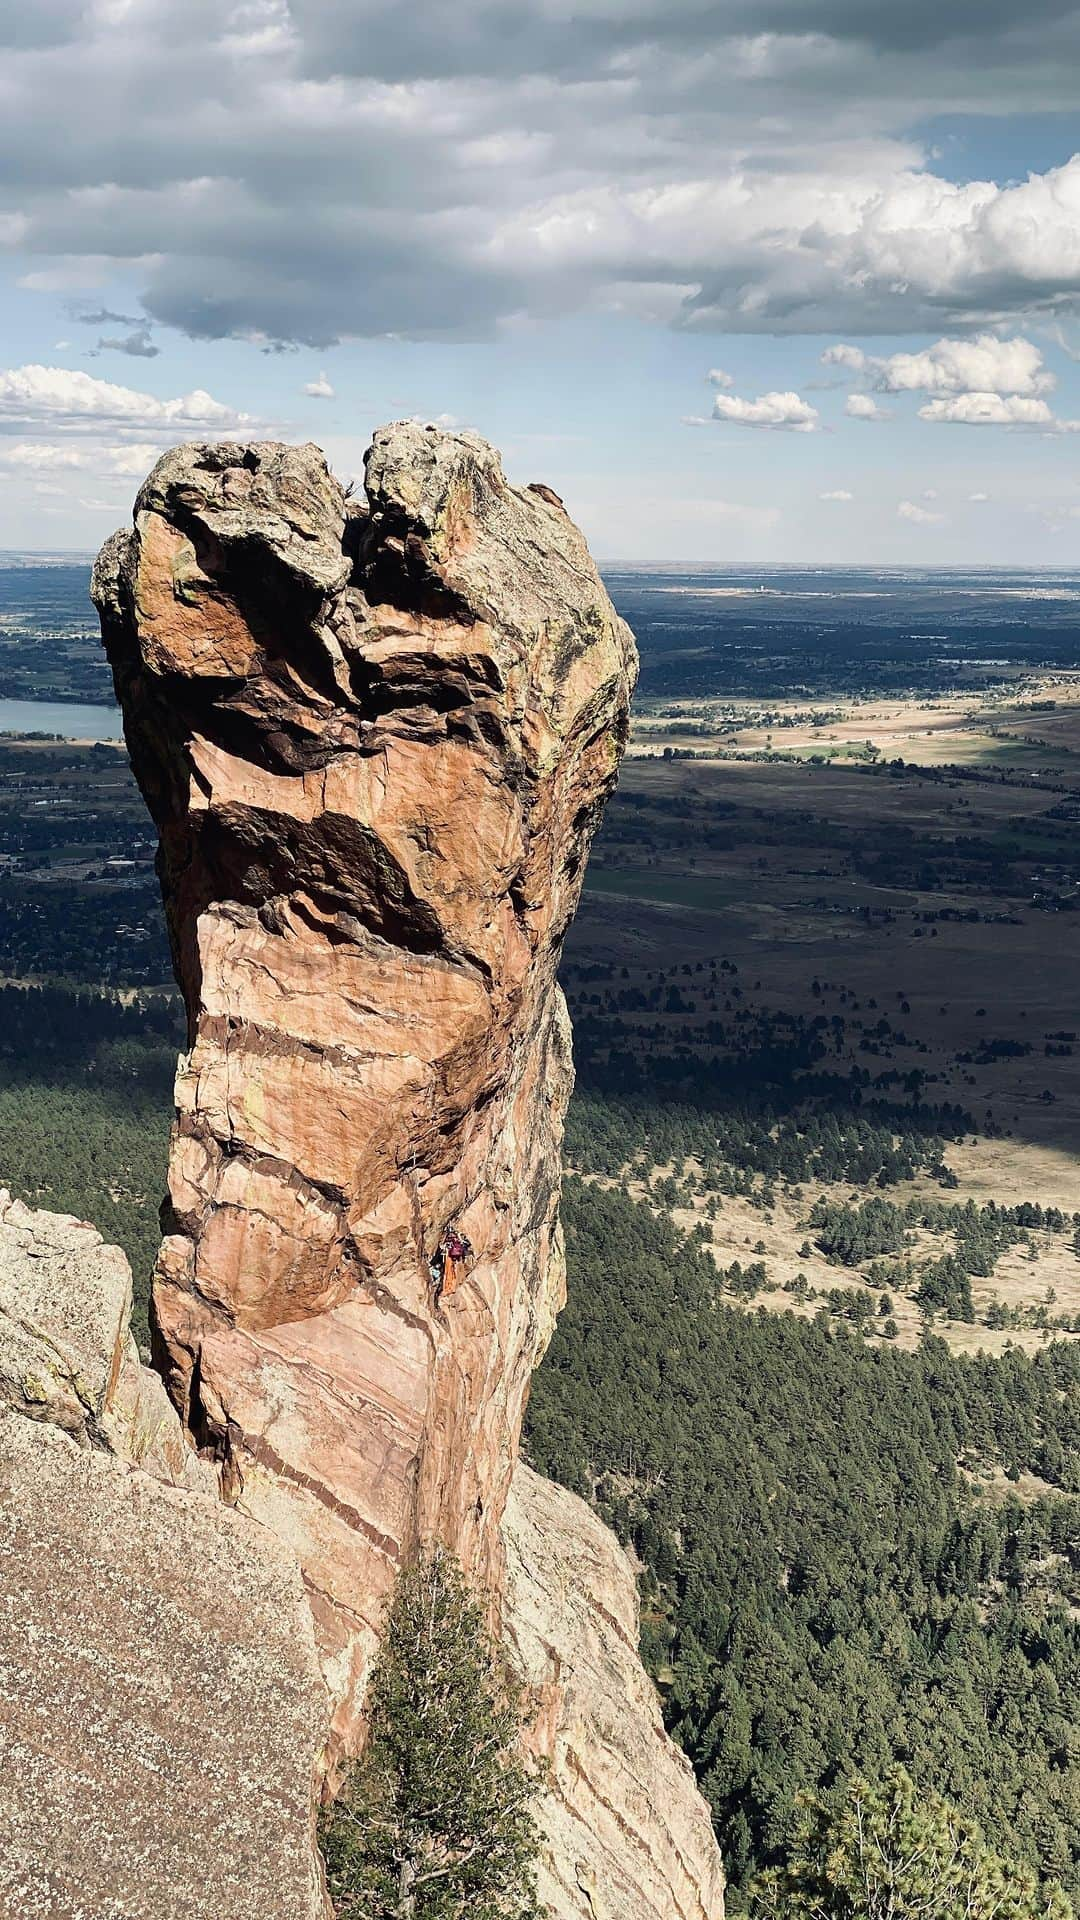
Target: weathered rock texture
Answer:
pixel 627 1835
pixel 162 1712
pixel 67 1355
pixel 376 741
pixel 376 738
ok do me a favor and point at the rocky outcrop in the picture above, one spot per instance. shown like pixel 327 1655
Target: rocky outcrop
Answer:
pixel 376 738
pixel 162 1712
pixel 65 1307
pixel 67 1355
pixel 626 1833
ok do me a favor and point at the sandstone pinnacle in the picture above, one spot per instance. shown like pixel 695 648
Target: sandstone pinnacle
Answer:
pixel 376 737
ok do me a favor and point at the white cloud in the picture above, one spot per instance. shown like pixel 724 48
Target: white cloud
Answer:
pixel 921 516
pixel 990 410
pixel 982 365
pixel 836 493
pixel 860 406
pixel 319 389
pixel 784 412
pixel 982 382
pixel 718 378
pixel 49 456
pixel 978 498
pixel 129 463
pixel 58 398
pixel 842 356
pixel 27 456
pixel 929 493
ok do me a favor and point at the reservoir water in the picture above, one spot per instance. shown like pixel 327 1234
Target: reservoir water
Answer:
pixel 64 717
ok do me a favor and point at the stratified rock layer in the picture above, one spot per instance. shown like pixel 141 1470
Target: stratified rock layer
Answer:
pixel 626 1833
pixel 162 1712
pixel 376 740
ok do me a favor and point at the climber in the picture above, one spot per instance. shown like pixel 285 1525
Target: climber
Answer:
pixel 456 1249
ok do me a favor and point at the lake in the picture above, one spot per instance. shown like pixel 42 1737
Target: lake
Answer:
pixel 73 722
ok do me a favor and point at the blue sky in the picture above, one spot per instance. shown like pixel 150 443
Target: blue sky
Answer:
pixel 623 240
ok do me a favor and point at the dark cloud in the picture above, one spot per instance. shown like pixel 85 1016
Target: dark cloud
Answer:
pixel 984 24
pixel 489 38
pixel 299 170
pixel 139 345
pixel 104 317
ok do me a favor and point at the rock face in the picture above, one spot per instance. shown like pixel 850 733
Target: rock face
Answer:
pixel 162 1712
pixel 67 1355
pixel 376 740
pixel 627 1835
pixel 65 1304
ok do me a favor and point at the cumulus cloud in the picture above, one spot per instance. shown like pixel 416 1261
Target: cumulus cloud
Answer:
pixel 317 169
pixel 784 412
pixel 57 398
pixel 920 516
pixel 718 378
pixel 836 493
pixel 319 389
pixel 843 356
pixel 861 406
pixel 35 456
pixel 985 364
pixel 986 381
pixel 978 498
pixel 990 410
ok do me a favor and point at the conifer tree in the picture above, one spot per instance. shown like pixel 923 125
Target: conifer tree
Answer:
pixel 435 1821
pixel 889 1852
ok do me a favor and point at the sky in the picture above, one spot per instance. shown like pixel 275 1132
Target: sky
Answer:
pixel 743 280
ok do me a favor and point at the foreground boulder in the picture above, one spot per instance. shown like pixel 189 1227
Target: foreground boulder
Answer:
pixel 162 1713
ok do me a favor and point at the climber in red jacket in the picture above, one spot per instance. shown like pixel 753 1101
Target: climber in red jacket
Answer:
pixel 449 1265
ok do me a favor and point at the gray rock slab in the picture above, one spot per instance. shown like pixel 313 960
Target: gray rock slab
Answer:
pixel 161 1708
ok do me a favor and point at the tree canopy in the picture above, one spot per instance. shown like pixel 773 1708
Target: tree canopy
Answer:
pixel 435 1821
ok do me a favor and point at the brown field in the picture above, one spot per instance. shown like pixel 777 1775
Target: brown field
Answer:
pixel 994 729
pixel 791 898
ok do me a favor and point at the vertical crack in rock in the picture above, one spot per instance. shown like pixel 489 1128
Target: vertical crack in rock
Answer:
pixel 376 740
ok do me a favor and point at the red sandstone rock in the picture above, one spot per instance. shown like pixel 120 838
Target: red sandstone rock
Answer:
pixel 376 740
